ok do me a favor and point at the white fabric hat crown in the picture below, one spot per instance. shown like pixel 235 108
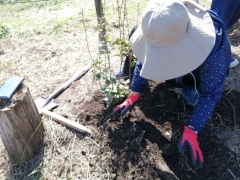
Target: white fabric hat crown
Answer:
pixel 173 39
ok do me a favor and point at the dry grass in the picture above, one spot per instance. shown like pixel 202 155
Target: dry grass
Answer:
pixel 47 46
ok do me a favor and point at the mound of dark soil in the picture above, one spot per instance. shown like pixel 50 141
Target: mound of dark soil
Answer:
pixel 144 142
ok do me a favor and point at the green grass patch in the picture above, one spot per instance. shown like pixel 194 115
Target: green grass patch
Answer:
pixel 4 30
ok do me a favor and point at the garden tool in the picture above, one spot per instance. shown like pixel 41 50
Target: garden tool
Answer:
pixel 44 105
pixel 41 102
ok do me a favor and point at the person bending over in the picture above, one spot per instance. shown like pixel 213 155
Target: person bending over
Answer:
pixel 183 44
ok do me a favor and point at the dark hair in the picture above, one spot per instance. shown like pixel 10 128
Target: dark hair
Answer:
pixel 132 31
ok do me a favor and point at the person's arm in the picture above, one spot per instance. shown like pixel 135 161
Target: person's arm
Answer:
pixel 211 78
pixel 138 82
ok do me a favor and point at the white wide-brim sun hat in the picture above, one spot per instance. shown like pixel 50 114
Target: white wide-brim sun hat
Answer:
pixel 174 38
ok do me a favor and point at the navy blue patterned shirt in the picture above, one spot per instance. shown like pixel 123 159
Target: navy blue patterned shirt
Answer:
pixel 210 76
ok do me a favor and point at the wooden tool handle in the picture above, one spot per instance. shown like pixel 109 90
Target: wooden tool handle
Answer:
pixel 67 122
pixel 69 82
pixel 64 86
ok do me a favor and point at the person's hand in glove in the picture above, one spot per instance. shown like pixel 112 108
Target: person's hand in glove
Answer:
pixel 189 137
pixel 127 105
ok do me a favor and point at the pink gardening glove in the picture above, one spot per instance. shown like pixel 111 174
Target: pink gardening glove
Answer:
pixel 127 105
pixel 189 138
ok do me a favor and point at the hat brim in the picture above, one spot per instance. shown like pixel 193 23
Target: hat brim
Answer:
pixel 163 63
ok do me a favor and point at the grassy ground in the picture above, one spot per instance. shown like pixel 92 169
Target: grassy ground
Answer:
pixel 45 42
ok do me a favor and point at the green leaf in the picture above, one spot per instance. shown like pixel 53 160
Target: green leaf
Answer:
pixel 97 62
pixel 107 82
pixel 114 89
pixel 116 42
pixel 108 38
pixel 98 76
pixel 133 63
pixel 114 80
pixel 116 96
pixel 107 90
pixel 117 55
